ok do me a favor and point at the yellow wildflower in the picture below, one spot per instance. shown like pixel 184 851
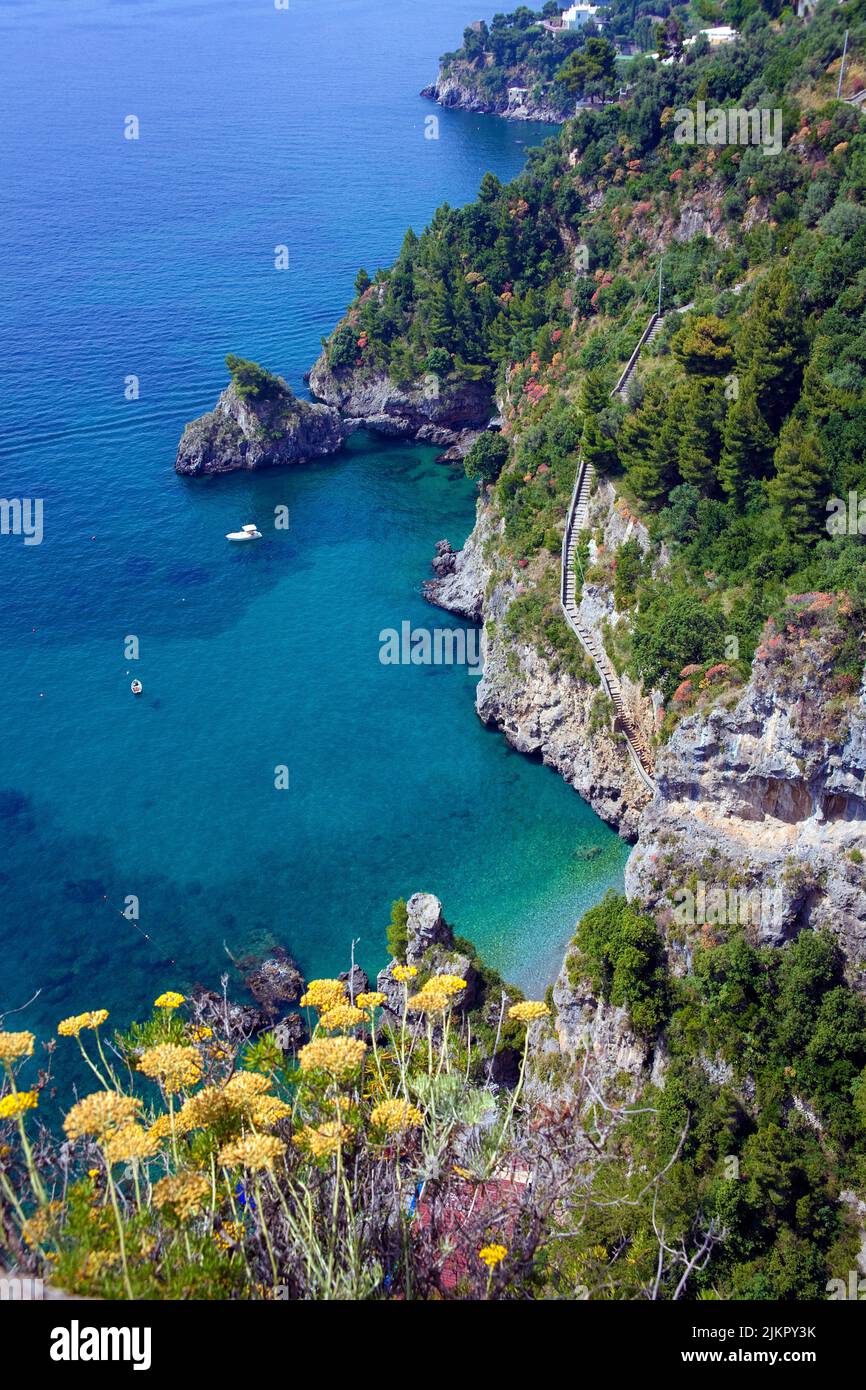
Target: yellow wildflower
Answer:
pixel 130 1144
pixel 161 1128
pixel 100 1114
pixel 15 1045
pixel 176 1067
pixel 323 1141
pixel 207 1107
pixel 339 1056
pixel 404 972
pixel 201 1033
pixel 97 1262
pixel 253 1151
pixel 71 1027
pixel 492 1255
pixel 396 1115
pixel 184 1193
pixel 16 1104
pixel 371 1000
pixel 267 1111
pixel 323 995
pixel 244 1086
pixel 170 1000
pixel 429 1001
pixel 342 1016
pixel 229 1234
pixel 528 1011
pixel 39 1227
pixel 447 984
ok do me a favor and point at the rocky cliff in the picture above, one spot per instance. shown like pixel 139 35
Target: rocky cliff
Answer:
pixel 432 411
pixel 760 818
pixel 245 431
pixel 521 101
pixel 535 699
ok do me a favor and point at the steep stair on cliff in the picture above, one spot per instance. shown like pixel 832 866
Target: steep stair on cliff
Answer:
pixel 575 522
pixel 652 330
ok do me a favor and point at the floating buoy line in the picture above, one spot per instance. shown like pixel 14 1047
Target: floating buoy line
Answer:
pixel 131 923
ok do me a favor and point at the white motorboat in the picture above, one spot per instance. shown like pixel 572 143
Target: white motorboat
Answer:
pixel 246 533
pixel 136 687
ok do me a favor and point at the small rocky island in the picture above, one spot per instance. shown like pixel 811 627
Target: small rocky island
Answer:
pixel 258 422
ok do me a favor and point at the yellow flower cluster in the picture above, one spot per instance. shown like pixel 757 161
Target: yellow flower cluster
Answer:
pixel 175 1066
pixel 16 1104
pixel 371 1000
pixel 230 1233
pixel 341 1057
pixel 396 1115
pixel 37 1229
pixel 342 1016
pixel 161 1128
pixel 492 1255
pixel 323 995
pixel 253 1151
pixel 324 1140
pixel 71 1027
pixel 200 1033
pixel 244 1086
pixel 15 1045
pixel 185 1193
pixel 267 1111
pixel 207 1107
pixel 130 1144
pixel 404 972
pixel 169 1000
pixel 447 984
pixel 97 1262
pixel 429 1000
pixel 100 1114
pixel 528 1011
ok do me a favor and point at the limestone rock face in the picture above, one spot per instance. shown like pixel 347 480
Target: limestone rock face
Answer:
pixel 244 432
pixel 455 88
pixel 431 949
pixel 542 709
pixel 766 799
pixel 431 411
pixel 460 579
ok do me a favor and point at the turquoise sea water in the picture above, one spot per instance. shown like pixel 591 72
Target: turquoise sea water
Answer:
pixel 154 257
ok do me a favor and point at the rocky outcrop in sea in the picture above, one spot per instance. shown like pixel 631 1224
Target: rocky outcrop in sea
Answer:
pixel 245 432
pixel 431 411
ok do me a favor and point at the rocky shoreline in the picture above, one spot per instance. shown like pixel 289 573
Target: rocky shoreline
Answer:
pixel 431 411
pixel 455 91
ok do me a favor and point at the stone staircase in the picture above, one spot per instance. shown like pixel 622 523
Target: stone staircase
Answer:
pixel 575 522
pixel 652 330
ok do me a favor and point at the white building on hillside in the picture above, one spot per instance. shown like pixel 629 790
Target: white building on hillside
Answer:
pixel 579 15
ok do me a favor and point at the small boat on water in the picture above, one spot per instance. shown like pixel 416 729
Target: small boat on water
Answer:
pixel 246 533
pixel 136 687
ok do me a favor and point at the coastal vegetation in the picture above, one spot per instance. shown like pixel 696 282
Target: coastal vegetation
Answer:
pixel 745 415
pixel 386 1158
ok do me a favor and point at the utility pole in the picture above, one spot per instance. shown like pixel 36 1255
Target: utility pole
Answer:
pixel 842 67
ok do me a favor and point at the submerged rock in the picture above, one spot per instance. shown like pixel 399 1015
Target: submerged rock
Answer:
pixel 263 427
pixel 274 981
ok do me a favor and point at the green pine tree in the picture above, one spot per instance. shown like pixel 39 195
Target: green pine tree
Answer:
pixel 800 486
pixel 747 449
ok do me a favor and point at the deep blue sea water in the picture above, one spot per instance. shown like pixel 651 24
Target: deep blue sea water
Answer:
pixel 155 257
